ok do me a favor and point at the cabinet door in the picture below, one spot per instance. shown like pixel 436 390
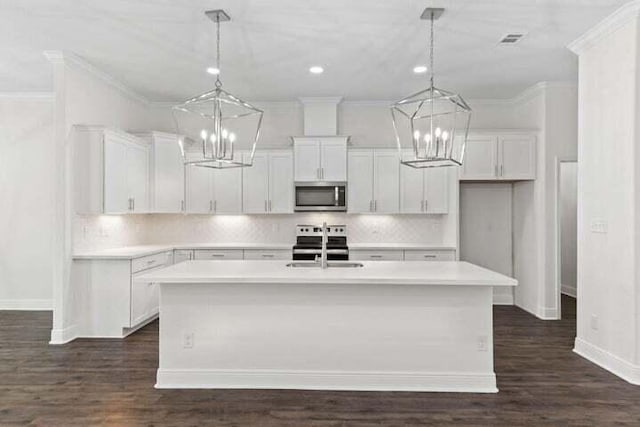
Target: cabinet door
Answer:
pixel 333 161
pixel 480 158
pixel 168 176
pixel 255 185
pixel 386 182
pixel 116 192
pixel 517 157
pixel 227 190
pixel 436 190
pixel 307 160
pixel 199 191
pixel 360 182
pixel 138 176
pixel 411 190
pixel 280 183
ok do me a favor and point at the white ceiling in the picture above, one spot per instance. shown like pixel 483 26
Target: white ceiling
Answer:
pixel 161 48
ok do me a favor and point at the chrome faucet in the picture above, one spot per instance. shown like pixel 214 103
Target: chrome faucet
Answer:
pixel 323 261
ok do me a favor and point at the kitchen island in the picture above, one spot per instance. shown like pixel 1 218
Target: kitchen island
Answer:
pixel 386 325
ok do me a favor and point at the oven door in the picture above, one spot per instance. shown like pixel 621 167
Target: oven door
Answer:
pixel 321 196
pixel 300 254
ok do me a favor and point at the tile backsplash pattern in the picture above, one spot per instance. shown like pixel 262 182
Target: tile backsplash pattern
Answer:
pixel 281 228
pixel 94 232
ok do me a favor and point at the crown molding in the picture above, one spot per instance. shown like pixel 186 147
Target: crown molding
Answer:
pixel 321 100
pixel 73 60
pixel 45 96
pixel 607 26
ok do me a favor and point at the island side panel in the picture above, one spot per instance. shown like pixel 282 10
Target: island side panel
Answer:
pixel 341 337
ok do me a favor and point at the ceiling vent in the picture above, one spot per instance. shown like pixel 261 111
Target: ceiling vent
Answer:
pixel 511 38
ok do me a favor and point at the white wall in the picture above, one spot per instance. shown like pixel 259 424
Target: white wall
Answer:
pixel 568 226
pixel 608 310
pixel 26 165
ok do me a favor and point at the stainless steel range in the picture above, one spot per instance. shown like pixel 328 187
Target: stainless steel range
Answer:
pixel 308 245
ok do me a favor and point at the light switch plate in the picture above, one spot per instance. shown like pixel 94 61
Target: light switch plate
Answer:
pixel 599 226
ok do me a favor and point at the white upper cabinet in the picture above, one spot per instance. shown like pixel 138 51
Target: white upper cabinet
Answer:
pixel 507 157
pixel 424 191
pixel 386 181
pixel 373 184
pixel 360 183
pixel 480 158
pixel 111 171
pixel 320 159
pixel 167 175
pixel 199 194
pixel 280 182
pixel 517 155
pixel 215 191
pixel 267 186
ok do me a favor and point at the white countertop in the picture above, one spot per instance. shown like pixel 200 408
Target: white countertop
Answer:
pixel 372 273
pixel 130 252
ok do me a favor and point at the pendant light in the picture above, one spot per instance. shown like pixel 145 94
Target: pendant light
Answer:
pixel 216 122
pixel 433 122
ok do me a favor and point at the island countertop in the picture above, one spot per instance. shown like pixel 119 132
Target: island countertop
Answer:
pixel 372 273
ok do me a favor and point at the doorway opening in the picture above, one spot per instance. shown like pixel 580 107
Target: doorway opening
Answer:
pixel 567 237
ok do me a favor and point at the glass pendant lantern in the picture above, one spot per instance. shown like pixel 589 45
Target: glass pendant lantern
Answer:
pixel 217 122
pixel 434 122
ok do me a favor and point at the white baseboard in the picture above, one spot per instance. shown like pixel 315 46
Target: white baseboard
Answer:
pixel 63 336
pixel 26 304
pixel 327 380
pixel 569 290
pixel 612 363
pixel 547 313
pixel 502 299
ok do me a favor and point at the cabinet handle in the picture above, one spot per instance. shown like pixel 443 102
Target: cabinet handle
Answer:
pixel 421 205
pixel 322 173
pixel 181 205
pixel 215 206
pixel 426 205
pixel 217 255
pixel 133 203
pixel 210 206
pixel 266 206
pixel 496 171
pixel 430 256
pixel 269 205
pixel 375 206
pixel 375 256
pixel 153 261
pixel 267 255
pixel 370 205
pixel 501 170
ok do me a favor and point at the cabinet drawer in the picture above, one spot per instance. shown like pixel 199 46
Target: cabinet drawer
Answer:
pixel 212 254
pixel 268 254
pixel 430 255
pixel 151 261
pixel 180 255
pixel 388 255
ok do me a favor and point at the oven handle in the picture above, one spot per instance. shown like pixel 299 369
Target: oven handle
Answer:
pixel 319 251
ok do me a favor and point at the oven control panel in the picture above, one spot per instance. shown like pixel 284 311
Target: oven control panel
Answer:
pixel 316 230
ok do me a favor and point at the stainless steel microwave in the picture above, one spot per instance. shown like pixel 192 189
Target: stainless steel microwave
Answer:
pixel 321 196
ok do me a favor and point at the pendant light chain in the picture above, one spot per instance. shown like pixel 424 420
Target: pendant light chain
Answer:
pixel 431 48
pixel 218 82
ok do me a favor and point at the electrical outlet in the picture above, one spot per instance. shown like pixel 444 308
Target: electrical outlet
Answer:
pixel 599 226
pixel 483 343
pixel 187 341
pixel 594 322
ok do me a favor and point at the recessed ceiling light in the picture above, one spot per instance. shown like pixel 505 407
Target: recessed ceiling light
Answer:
pixel 316 69
pixel 213 70
pixel 420 69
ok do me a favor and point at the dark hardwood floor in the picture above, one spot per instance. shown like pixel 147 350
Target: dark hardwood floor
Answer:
pixel 110 382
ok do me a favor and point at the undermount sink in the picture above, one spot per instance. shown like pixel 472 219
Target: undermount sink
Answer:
pixel 330 264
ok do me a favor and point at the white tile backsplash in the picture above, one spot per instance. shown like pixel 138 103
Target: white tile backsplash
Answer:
pixel 109 231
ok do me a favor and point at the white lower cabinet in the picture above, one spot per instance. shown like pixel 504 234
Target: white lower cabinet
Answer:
pixel 218 254
pixel 264 254
pixel 430 255
pixel 181 255
pixel 375 255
